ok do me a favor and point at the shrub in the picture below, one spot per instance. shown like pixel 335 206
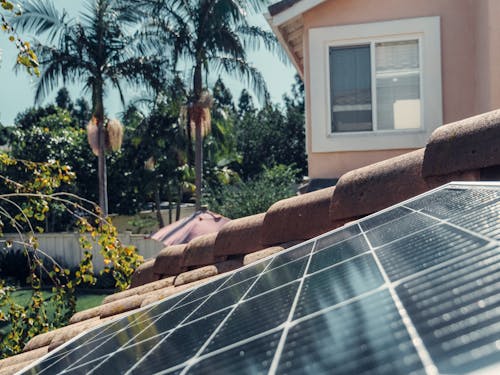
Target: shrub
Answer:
pixel 253 196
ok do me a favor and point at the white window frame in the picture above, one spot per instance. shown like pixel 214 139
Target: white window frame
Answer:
pixel 427 31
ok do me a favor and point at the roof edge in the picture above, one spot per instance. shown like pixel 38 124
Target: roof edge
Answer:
pixel 284 44
pixel 286 10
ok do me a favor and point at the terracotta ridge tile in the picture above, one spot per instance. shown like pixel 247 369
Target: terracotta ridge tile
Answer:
pixel 170 261
pixel 240 236
pixel 298 218
pixel 465 145
pixel 200 251
pixel 144 274
pixel 27 356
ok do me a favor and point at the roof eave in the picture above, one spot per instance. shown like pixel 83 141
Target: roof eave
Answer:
pixel 276 30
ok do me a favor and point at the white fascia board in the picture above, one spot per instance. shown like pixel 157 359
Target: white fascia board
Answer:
pixel 284 44
pixel 294 11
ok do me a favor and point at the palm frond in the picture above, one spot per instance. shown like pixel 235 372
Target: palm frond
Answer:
pixel 241 69
pixel 253 36
pixel 41 17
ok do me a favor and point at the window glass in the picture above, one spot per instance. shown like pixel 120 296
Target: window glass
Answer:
pixel 398 85
pixel 351 82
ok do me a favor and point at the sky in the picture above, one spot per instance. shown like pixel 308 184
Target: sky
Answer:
pixel 17 89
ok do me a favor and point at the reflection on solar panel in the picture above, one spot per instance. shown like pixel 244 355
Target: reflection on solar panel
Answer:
pixel 414 289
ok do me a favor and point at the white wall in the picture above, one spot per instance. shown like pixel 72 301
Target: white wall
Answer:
pixel 66 248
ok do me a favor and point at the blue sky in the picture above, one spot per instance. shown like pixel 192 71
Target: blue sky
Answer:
pixel 17 88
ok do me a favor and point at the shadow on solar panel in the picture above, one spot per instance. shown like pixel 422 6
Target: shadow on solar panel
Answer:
pixel 414 289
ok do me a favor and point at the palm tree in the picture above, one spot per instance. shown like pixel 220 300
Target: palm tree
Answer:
pixel 212 36
pixel 98 49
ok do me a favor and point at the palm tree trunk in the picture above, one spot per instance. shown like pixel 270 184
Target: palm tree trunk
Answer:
pixel 161 224
pixel 198 161
pixel 101 159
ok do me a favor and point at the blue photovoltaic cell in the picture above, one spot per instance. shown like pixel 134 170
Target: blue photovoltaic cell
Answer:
pixel 255 316
pixel 405 257
pixel 339 283
pixel 407 225
pixel 253 357
pixel 339 252
pixel 363 337
pixel 413 288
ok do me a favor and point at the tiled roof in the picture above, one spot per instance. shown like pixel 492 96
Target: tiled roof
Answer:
pixel 465 150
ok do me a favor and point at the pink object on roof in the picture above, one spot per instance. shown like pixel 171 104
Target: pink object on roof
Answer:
pixel 200 223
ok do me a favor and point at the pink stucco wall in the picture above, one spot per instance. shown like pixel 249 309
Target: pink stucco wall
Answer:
pixel 470 40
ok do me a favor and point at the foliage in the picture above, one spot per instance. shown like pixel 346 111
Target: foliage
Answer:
pixel 99 49
pixel 210 36
pixel 24 209
pixel 52 133
pixel 254 195
pixel 26 56
pixel 280 133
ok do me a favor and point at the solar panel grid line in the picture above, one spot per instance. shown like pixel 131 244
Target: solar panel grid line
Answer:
pixel 370 223
pixel 438 266
pixel 423 354
pixel 338 305
pixel 338 264
pixel 193 359
pixel 141 311
pixel 281 343
pixel 405 236
pixel 154 319
pixel 463 229
pixel 113 335
pixel 425 249
pixel 223 349
pixel 463 185
pixel 178 325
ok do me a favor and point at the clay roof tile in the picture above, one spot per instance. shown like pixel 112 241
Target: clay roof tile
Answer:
pixel 464 145
pixel 240 236
pixel 377 186
pixel 200 251
pixel 146 288
pixel 144 274
pixel 170 261
pixel 298 218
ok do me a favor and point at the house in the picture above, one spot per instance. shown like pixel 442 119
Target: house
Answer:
pixel 381 75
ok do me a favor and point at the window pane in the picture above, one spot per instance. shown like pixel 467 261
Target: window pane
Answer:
pixel 350 82
pixel 398 85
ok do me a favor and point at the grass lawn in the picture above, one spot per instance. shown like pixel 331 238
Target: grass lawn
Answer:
pixel 84 300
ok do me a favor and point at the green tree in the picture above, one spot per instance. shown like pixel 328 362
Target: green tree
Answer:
pixel 51 133
pixel 279 131
pixel 97 49
pixel 212 36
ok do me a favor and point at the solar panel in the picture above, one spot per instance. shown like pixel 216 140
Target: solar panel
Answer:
pixel 414 289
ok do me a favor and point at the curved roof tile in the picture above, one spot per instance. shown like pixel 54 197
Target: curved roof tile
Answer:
pixel 170 261
pixel 464 145
pixel 144 274
pixel 298 218
pixel 240 236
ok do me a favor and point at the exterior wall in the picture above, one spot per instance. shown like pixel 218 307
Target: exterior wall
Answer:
pixel 322 164
pixel 470 69
pixel 488 56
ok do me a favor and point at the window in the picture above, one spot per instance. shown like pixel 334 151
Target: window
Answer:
pixel 382 88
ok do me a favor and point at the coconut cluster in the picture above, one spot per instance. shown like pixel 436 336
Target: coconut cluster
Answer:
pixel 113 135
